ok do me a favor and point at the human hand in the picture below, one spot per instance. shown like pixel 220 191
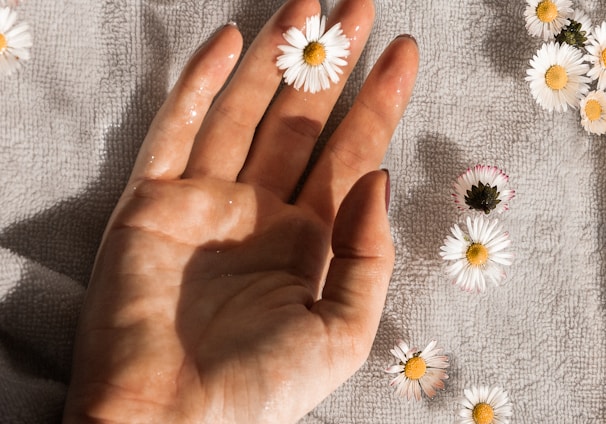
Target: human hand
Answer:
pixel 213 299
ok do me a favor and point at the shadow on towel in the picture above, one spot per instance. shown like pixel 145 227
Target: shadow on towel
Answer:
pixel 65 237
pixel 509 46
pixel 441 161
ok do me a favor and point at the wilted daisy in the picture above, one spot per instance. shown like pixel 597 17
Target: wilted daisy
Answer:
pixel 484 405
pixel 596 55
pixel 546 18
pixel 482 188
pixel 593 112
pixel 557 76
pixel 418 370
pixel 15 41
pixel 577 32
pixel 313 59
pixel 478 255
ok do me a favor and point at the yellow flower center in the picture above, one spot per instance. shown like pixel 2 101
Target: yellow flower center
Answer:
pixel 483 413
pixel 593 110
pixel 547 11
pixel 604 57
pixel 556 77
pixel 477 254
pixel 314 53
pixel 3 43
pixel 415 368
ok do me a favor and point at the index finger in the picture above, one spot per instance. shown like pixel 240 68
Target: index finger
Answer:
pixel 167 146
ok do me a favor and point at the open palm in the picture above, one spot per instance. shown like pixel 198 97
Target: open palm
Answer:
pixel 214 299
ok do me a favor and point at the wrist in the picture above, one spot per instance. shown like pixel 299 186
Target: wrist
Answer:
pixel 105 405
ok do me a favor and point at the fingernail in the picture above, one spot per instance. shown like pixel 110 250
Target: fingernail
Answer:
pixel 410 37
pixel 214 34
pixel 387 189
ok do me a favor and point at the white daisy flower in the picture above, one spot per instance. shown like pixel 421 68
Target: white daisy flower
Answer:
pixel 593 112
pixel 483 188
pixel 15 41
pixel 313 59
pixel 484 405
pixel 546 18
pixel 583 19
pixel 557 76
pixel 596 55
pixel 578 30
pixel 477 256
pixel 418 370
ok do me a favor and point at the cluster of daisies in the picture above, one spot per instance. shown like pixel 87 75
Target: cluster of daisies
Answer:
pixel 15 38
pixel 475 256
pixel 569 69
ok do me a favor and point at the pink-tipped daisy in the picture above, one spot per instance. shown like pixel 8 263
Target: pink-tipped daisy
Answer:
pixel 557 76
pixel 483 188
pixel 484 405
pixel 418 370
pixel 15 41
pixel 477 256
pixel 312 60
pixel 546 18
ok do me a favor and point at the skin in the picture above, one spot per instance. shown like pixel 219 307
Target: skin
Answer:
pixel 215 300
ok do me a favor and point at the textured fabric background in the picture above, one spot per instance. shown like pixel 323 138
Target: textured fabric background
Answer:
pixel 71 123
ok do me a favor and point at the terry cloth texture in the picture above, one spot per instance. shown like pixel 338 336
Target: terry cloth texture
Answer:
pixel 72 121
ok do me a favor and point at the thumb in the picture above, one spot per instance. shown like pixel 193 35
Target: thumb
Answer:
pixel 359 274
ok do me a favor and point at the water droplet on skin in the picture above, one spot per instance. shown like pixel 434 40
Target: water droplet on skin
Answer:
pixel 192 115
pixel 151 159
pixel 397 105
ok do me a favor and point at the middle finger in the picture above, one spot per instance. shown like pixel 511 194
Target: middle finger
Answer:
pixel 288 133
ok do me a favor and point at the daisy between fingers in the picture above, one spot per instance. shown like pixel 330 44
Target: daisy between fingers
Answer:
pixel 418 370
pixel 483 188
pixel 546 18
pixel 484 405
pixel 479 256
pixel 593 112
pixel 15 42
pixel 312 60
pixel 557 76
